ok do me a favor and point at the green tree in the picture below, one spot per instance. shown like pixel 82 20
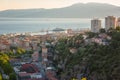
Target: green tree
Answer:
pixel 12 76
pixel 91 34
pixel 0 76
pixel 7 68
pixel 115 42
pixel 118 28
pixel 97 61
pixel 102 30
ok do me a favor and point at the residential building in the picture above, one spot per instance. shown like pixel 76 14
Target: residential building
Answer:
pixel 73 50
pixel 118 21
pixel 35 56
pixel 95 25
pixel 44 50
pixel 110 22
pixel 69 31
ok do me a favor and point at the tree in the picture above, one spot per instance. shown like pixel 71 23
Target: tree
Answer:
pixel 115 42
pixel 7 68
pixel 96 61
pixel 111 31
pixel 118 28
pixel 91 34
pixel 102 30
pixel 0 76
pixel 12 76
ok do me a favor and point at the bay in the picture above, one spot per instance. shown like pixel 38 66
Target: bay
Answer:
pixel 21 25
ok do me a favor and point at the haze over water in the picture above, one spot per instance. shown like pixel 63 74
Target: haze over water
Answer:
pixel 20 25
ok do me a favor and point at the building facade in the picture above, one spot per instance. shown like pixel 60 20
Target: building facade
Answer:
pixel 95 25
pixel 118 21
pixel 110 22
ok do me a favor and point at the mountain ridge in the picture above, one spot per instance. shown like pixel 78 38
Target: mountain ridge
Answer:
pixel 79 10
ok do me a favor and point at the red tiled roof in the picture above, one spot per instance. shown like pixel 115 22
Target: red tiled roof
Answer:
pixel 29 68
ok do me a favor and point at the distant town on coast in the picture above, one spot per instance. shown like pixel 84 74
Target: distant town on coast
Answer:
pixel 60 40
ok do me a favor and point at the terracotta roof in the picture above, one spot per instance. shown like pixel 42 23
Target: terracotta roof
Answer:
pixel 29 68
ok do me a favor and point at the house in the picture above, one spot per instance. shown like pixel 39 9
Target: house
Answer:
pixel 44 50
pixel 73 50
pixel 35 56
pixel 29 68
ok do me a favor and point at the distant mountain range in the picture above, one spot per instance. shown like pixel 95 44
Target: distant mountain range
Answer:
pixel 80 10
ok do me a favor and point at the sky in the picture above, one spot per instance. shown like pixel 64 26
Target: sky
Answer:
pixel 26 4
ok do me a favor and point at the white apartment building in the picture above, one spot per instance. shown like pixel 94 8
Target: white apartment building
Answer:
pixel 110 22
pixel 95 25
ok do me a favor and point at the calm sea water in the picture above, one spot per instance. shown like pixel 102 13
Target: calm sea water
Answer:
pixel 19 25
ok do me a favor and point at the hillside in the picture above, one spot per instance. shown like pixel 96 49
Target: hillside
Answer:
pixel 79 10
pixel 90 59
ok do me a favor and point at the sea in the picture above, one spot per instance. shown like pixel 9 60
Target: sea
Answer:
pixel 22 25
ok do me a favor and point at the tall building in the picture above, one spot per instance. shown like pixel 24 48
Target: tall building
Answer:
pixel 110 22
pixel 118 21
pixel 95 25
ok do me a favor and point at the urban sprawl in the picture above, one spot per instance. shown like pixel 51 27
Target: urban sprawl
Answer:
pixel 34 56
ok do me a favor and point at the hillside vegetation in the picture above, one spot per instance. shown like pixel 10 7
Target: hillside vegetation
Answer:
pixel 92 60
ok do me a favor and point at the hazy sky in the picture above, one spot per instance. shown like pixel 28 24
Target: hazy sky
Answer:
pixel 24 4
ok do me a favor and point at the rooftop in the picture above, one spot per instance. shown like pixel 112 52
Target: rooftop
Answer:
pixel 29 68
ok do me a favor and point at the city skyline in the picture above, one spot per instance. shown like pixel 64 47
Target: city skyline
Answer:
pixel 25 4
